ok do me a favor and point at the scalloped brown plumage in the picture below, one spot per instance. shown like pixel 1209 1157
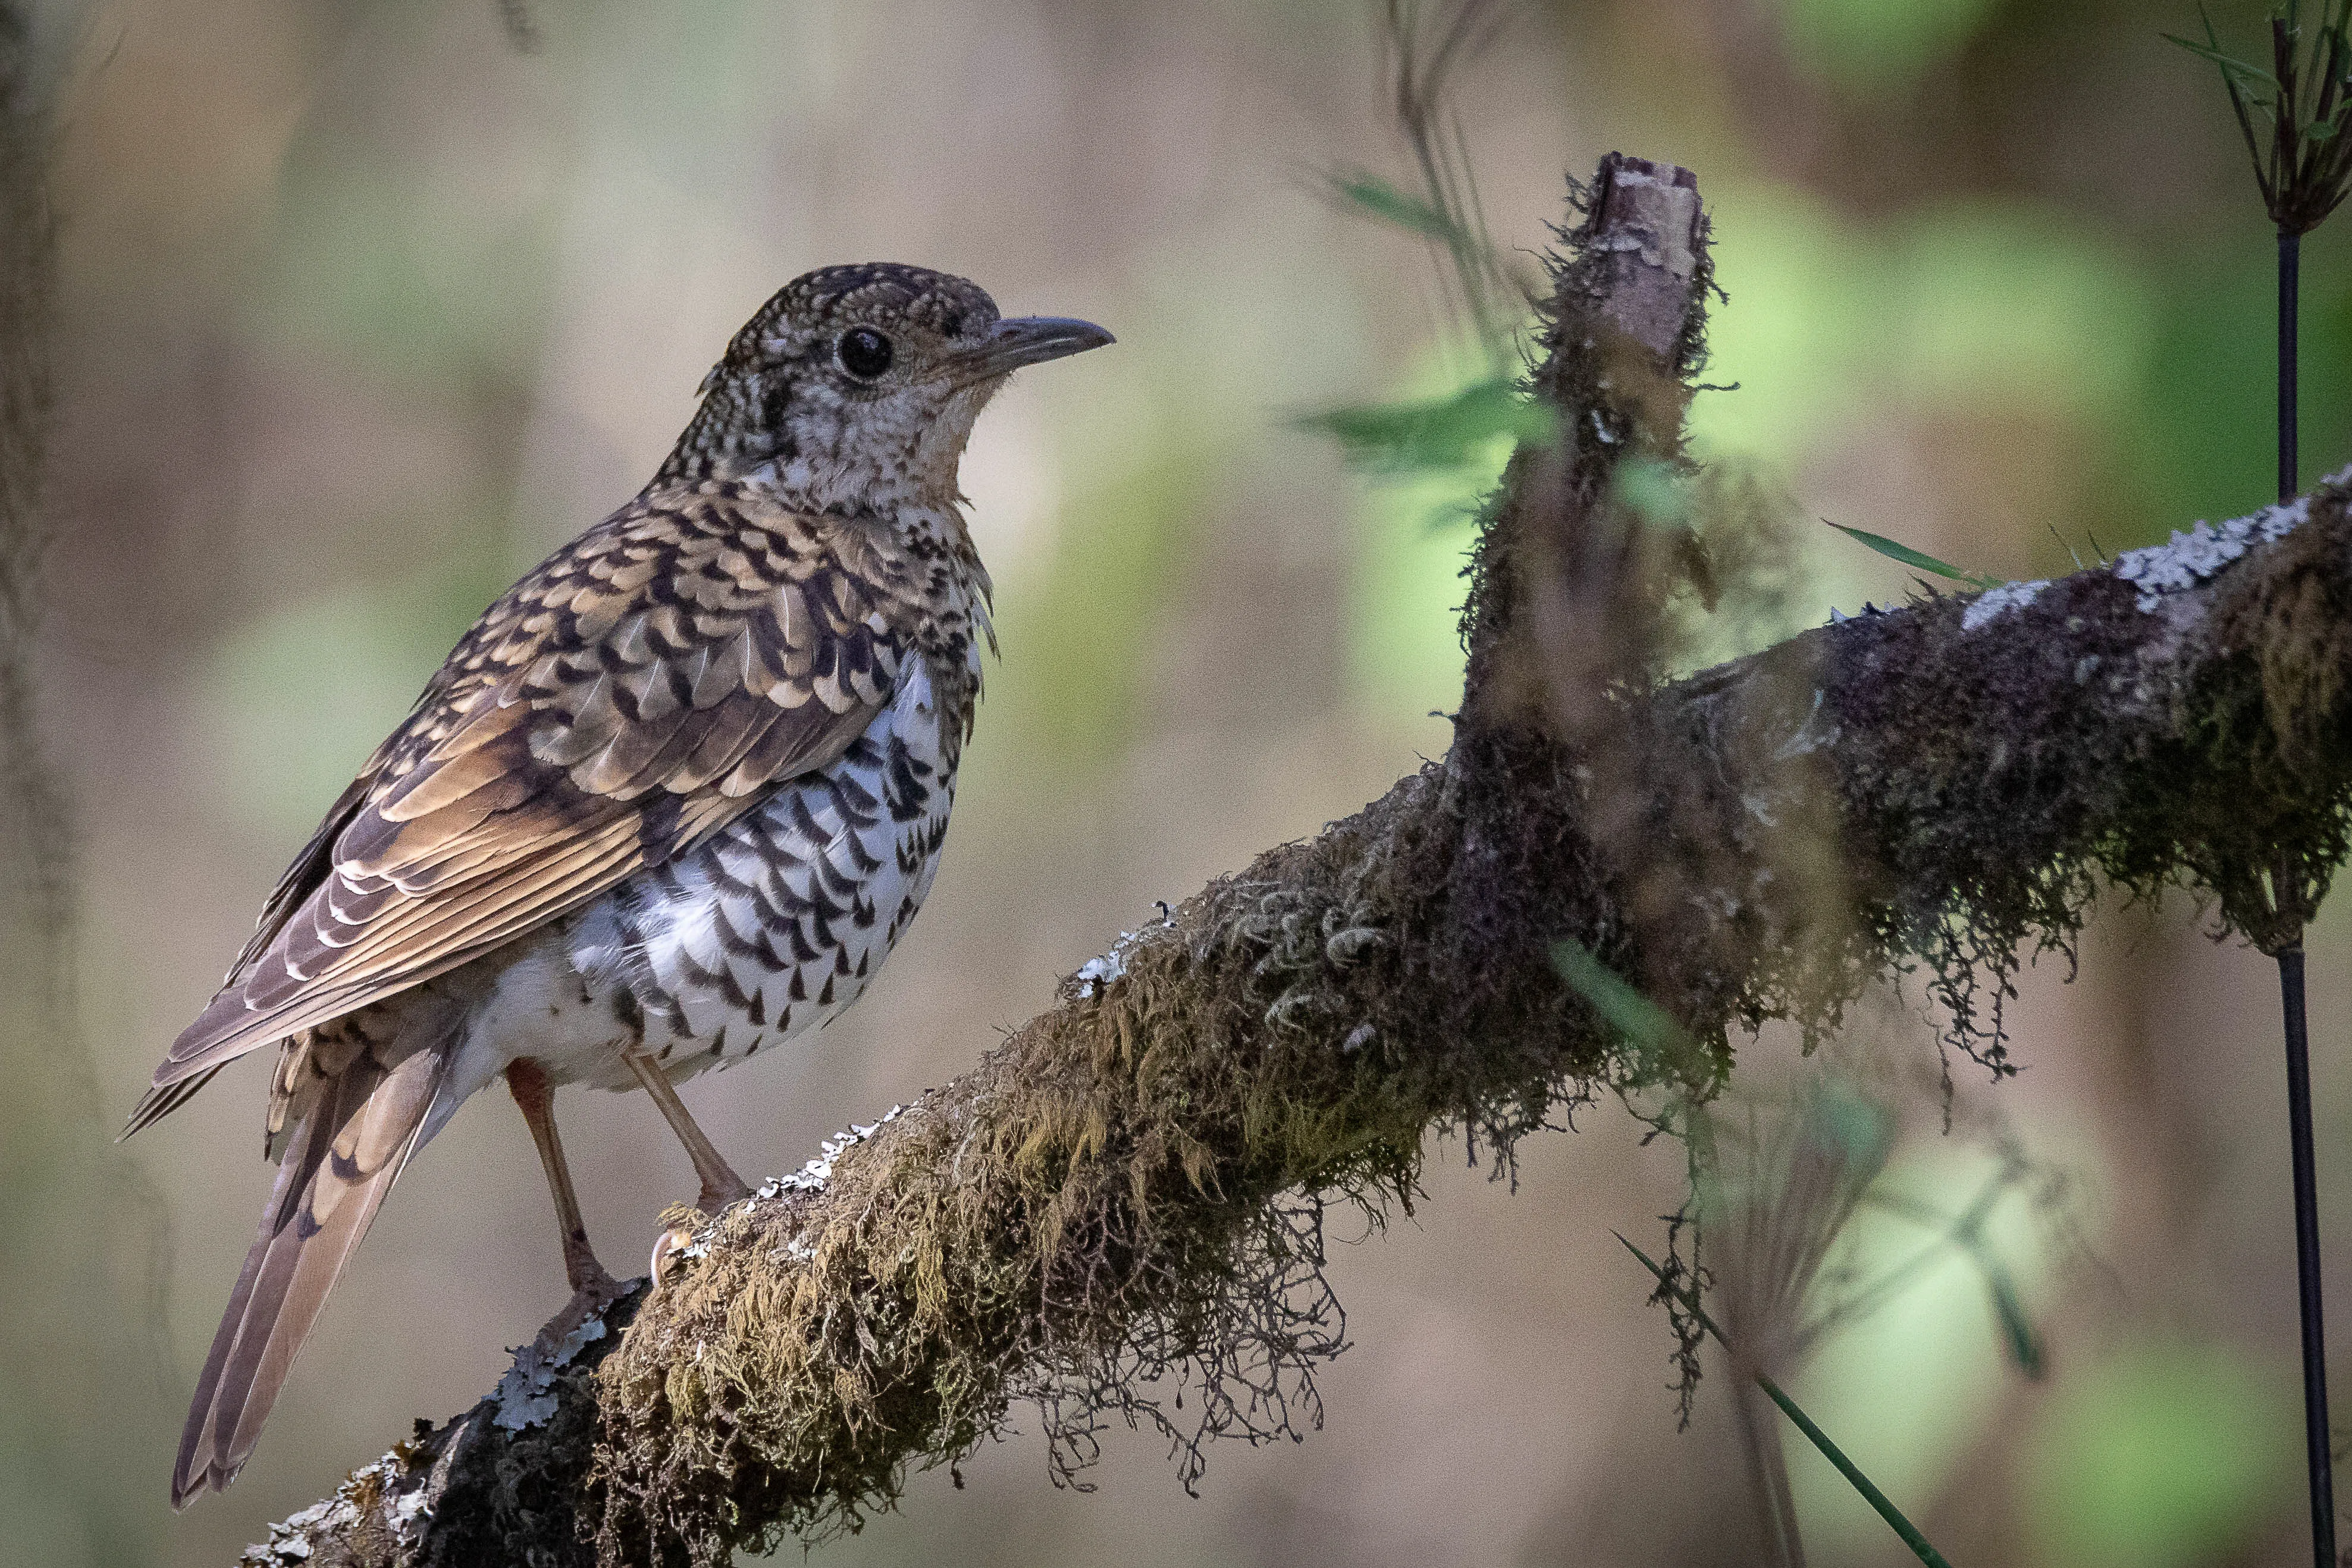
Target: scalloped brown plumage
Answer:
pixel 795 578
pixel 642 688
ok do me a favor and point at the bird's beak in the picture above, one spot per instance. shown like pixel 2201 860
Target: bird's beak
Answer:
pixel 1028 340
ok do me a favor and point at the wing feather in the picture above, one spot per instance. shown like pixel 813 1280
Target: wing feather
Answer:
pixel 648 683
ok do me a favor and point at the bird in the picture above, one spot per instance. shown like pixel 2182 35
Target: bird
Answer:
pixel 670 802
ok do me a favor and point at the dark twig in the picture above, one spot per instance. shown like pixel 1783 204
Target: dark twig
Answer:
pixel 520 27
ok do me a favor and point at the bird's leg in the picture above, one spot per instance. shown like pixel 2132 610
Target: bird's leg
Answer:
pixel 720 1185
pixel 593 1289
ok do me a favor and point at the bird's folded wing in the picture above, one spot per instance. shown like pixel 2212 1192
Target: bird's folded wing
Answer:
pixel 649 683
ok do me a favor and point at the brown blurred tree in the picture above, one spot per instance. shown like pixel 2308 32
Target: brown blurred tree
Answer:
pixel 93 1336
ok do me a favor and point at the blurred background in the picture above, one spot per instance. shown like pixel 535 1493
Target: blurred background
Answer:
pixel 365 307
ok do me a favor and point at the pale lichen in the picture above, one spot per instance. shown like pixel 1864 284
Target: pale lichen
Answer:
pixel 526 1394
pixel 1995 603
pixel 2190 558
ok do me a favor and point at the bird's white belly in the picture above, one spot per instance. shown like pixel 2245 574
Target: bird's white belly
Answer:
pixel 768 928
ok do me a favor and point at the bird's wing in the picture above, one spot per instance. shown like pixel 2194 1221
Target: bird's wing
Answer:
pixel 649 683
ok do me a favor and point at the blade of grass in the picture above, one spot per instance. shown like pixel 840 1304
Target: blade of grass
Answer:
pixel 1895 550
pixel 1439 433
pixel 1666 1051
pixel 1920 1546
pixel 1384 201
pixel 2249 72
pixel 2020 1337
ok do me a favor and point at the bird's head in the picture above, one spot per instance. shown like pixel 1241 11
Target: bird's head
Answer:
pixel 856 386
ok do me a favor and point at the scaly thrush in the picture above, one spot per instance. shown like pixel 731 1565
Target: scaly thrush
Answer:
pixel 671 801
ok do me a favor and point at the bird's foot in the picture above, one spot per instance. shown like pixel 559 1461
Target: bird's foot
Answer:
pixel 719 1195
pixel 593 1290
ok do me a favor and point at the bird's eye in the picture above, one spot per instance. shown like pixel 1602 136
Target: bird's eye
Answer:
pixel 863 352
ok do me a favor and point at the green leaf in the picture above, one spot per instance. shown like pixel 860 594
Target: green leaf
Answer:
pixel 1654 492
pixel 2230 66
pixel 1389 205
pixel 1440 433
pixel 1920 559
pixel 2016 1330
pixel 1628 1012
pixel 1662 1048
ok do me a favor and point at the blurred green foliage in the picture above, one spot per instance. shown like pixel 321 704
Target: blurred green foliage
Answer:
pixel 381 259
pixel 1075 679
pixel 1404 652
pixel 1459 430
pixel 1878 48
pixel 1834 326
pixel 2163 1456
pixel 1911 1384
pixel 2134 354
pixel 295 699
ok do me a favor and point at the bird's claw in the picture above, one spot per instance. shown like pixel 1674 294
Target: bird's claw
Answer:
pixel 671 1251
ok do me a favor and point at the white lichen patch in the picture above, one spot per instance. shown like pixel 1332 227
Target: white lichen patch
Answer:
pixel 526 1394
pixel 1096 974
pixel 1806 741
pixel 1995 603
pixel 2189 559
pixel 290 1538
pixel 813 1176
pixel 408 1512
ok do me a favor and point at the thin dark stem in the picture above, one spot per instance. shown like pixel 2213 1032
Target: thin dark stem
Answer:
pixel 1854 1477
pixel 1877 1499
pixel 2306 1260
pixel 2287 894
pixel 2290 267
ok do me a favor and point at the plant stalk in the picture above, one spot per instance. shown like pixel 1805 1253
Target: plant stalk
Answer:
pixel 2287 896
pixel 2306 1260
pixel 1767 1469
pixel 2290 275
pixel 1896 1518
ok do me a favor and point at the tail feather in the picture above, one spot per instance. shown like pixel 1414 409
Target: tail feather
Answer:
pixel 338 1167
pixel 162 1100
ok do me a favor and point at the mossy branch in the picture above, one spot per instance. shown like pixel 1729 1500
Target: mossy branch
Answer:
pixel 1125 1197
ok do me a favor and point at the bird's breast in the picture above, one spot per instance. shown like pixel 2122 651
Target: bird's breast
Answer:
pixel 770 927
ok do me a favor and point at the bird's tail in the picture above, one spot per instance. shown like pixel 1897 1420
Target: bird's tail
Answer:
pixel 339 1165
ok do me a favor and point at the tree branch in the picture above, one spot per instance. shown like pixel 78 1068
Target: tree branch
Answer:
pixel 1129 1191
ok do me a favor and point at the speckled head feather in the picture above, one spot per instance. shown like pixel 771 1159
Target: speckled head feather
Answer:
pixel 880 293
pixel 859 385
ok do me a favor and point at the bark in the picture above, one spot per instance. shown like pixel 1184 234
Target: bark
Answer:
pixel 1125 1196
